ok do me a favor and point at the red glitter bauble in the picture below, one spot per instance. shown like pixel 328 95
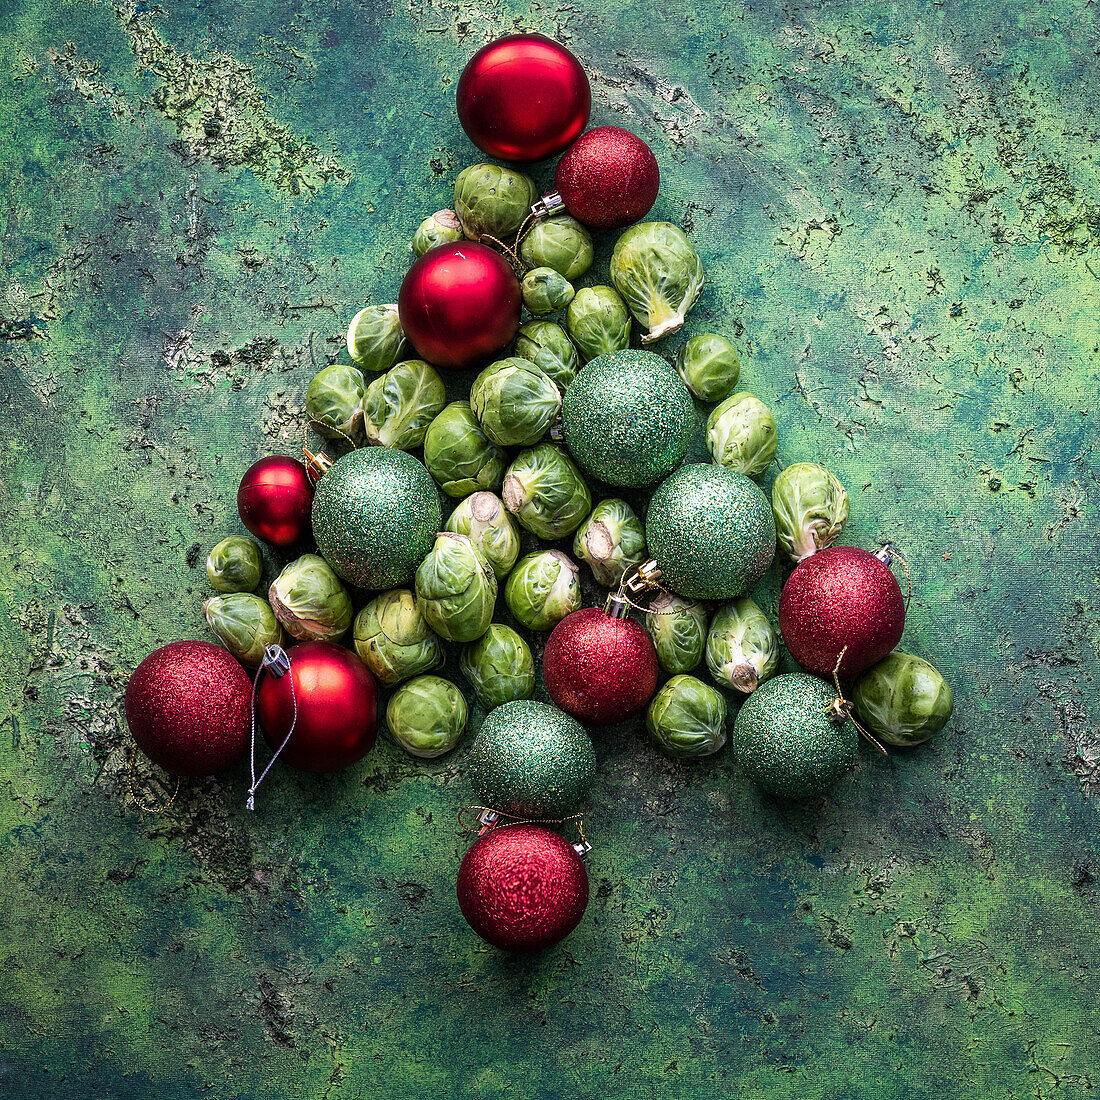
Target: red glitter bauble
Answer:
pixel 522 888
pixel 459 305
pixel 337 708
pixel 274 500
pixel 609 178
pixel 523 97
pixel 598 668
pixel 838 597
pixel 188 707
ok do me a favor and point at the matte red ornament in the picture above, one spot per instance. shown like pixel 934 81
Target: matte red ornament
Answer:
pixel 337 708
pixel 609 178
pixel 523 97
pixel 459 305
pixel 841 596
pixel 274 500
pixel 599 668
pixel 522 887
pixel 188 707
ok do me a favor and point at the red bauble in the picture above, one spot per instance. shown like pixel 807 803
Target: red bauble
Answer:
pixel 522 888
pixel 337 708
pixel 609 178
pixel 523 97
pixel 274 500
pixel 459 305
pixel 599 668
pixel 838 597
pixel 188 707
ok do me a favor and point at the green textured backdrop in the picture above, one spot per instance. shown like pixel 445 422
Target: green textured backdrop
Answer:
pixel 899 210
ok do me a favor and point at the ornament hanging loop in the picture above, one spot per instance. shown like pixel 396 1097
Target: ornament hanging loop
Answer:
pixel 132 795
pixel 317 465
pixel 886 555
pixel 489 819
pixel 640 581
pixel 840 709
pixel 276 662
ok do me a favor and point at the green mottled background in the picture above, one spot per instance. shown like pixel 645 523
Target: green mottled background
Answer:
pixel 899 209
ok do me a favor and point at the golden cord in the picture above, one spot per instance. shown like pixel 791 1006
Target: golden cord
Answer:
pixel 843 707
pixel 134 798
pixel 510 819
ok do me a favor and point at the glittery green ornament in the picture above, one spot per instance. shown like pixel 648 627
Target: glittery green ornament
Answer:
pixel 628 418
pixel 531 760
pixel 787 740
pixel 711 531
pixel 375 516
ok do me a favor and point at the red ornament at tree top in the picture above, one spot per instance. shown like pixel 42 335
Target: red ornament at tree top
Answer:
pixel 522 887
pixel 523 97
pixel 274 500
pixel 609 178
pixel 459 305
pixel 841 597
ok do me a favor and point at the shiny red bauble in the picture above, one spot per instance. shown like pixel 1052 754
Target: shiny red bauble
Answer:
pixel 523 97
pixel 609 178
pixel 188 707
pixel 274 500
pixel 838 597
pixel 459 305
pixel 599 668
pixel 522 888
pixel 337 708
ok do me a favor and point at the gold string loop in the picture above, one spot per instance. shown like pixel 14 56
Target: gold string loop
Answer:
pixel 841 708
pixel 498 819
pixel 144 807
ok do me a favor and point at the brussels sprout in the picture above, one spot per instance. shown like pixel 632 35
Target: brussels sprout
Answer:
pixel 442 227
pixel 375 338
pixel 545 291
pixel 742 647
pixel 334 402
pixel 542 589
pixel 514 402
pixel 598 321
pixel 484 520
pixel 400 404
pixel 244 624
pixel 546 492
pixel 426 716
pixel 903 700
pixel 234 565
pixel 658 273
pixel 709 366
pixel 459 455
pixel 550 349
pixel 456 589
pixel 687 718
pixel 499 667
pixel 560 242
pixel 309 600
pixel 678 628
pixel 393 639
pixel 741 434
pixel 491 200
pixel 810 507
pixel 611 540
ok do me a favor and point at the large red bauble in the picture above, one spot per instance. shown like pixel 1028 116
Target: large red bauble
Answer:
pixel 523 97
pixel 337 708
pixel 274 500
pixel 838 597
pixel 522 887
pixel 459 305
pixel 609 178
pixel 188 707
pixel 599 668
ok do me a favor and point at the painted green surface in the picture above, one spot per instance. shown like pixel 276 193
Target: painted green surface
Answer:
pixel 899 210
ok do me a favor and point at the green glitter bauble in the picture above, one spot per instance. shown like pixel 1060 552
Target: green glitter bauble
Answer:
pixel 531 760
pixel 711 531
pixel 628 418
pixel 785 739
pixel 375 516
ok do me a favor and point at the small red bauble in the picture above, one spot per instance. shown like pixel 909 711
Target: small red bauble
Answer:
pixel 188 707
pixel 523 97
pixel 459 305
pixel 522 888
pixel 274 500
pixel 609 178
pixel 599 668
pixel 337 708
pixel 838 597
